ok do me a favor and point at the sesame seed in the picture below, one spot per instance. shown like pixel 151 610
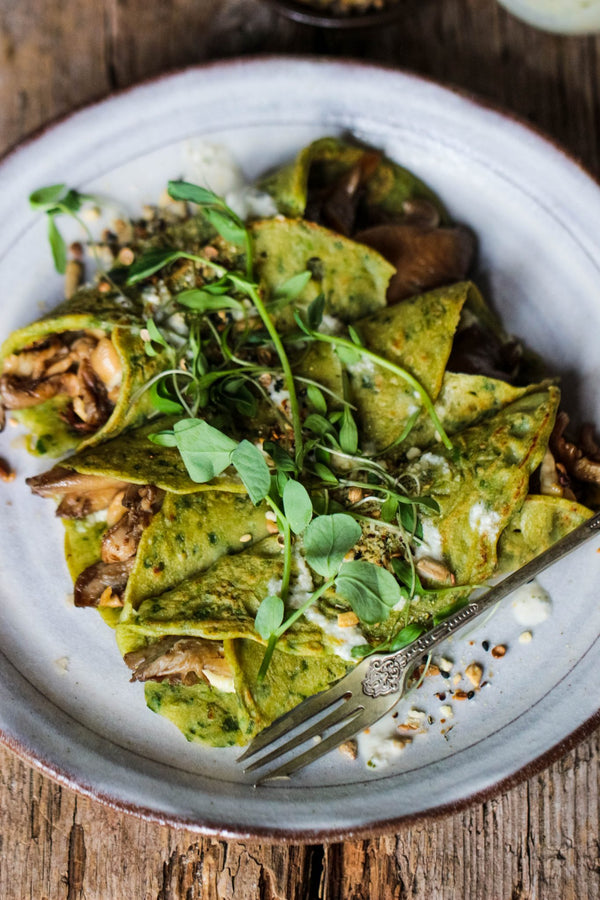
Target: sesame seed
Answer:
pixel 485 645
pixel 245 538
pixel 525 637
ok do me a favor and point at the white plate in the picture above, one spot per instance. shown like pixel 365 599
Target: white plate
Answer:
pixel 536 215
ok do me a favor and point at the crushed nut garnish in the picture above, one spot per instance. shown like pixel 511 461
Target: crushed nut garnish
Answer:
pixel 474 673
pixel 349 749
pixel 355 494
pixel 459 695
pixel 499 651
pixel 446 711
pixel 347 619
pixel 445 664
pixel 457 678
pixel 7 473
pixel 272 527
pixel 525 637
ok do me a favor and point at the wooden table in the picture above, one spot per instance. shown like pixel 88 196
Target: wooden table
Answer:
pixel 540 839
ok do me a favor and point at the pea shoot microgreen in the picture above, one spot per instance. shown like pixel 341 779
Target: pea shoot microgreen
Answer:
pixel 300 482
pixel 56 200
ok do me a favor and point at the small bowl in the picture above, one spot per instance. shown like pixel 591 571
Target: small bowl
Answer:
pixel 303 13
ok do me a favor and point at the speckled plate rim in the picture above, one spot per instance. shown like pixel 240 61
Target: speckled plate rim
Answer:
pixel 375 827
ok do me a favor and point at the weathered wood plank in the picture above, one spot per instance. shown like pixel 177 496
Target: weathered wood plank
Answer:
pixel 538 841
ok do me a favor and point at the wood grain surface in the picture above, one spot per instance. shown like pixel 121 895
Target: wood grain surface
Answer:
pixel 537 841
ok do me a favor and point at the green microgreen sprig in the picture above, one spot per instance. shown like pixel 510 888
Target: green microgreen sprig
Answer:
pixel 345 347
pixel 56 200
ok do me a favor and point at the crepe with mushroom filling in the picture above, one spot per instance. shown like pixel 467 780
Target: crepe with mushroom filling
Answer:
pixel 75 377
pixel 359 193
pixel 136 524
pixel 220 718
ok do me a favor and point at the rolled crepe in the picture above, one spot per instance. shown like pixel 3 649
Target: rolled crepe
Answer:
pixel 109 324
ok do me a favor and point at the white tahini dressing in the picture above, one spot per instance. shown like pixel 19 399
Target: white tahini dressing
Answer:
pixel 531 604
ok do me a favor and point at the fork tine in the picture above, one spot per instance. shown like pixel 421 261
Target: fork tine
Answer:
pixel 299 714
pixel 336 717
pixel 356 724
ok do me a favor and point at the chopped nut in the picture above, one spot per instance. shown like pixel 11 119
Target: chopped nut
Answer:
pixel 272 527
pixel 347 619
pixel 434 570
pixel 445 664
pixel 457 678
pixel 73 277
pixel 108 599
pixel 498 651
pixel 123 230
pixel 270 516
pixel 6 472
pixel 355 494
pixel 349 749
pixel 525 637
pixel 460 695
pixel 126 256
pixel 104 287
pixel 447 711
pixel 474 673
pixel 265 379
pixel 413 453
pixel 432 670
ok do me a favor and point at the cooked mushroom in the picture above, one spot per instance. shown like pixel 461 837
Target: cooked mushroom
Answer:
pixel 93 581
pixel 580 466
pixel 81 494
pixel 182 660
pixel 336 206
pixel 424 257
pixel 121 541
pixel 82 366
pixel 478 351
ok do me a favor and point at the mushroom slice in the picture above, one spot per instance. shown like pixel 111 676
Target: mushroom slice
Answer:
pixel 80 494
pixel 182 660
pixel 21 393
pixel 93 582
pixel 121 541
pixel 577 464
pixel 424 257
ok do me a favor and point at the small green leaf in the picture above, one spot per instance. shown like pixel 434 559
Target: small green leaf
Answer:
pixel 47 196
pixel 193 193
pixel 328 539
pixel 314 313
pixel 71 202
pixel 316 398
pixel 300 323
pixel 269 616
pixel 405 637
pixel 360 651
pixel 348 432
pixel 162 400
pixel 406 574
pixel 297 506
pixel 318 424
pixel 354 336
pixel 408 517
pixel 58 246
pixel 347 356
pixel 163 438
pixel 150 263
pixel 253 470
pixel 207 301
pixel 293 287
pixel 280 457
pixel 229 226
pixel 389 508
pixel 206 451
pixel 370 590
pixel 325 473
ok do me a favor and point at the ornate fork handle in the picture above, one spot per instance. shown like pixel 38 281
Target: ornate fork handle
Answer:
pixel 387 674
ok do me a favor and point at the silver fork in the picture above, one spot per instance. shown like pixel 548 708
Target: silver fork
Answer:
pixel 376 684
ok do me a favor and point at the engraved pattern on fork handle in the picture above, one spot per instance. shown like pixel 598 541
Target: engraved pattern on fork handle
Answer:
pixel 386 673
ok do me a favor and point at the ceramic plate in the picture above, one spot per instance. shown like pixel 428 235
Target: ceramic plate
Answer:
pixel 65 700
